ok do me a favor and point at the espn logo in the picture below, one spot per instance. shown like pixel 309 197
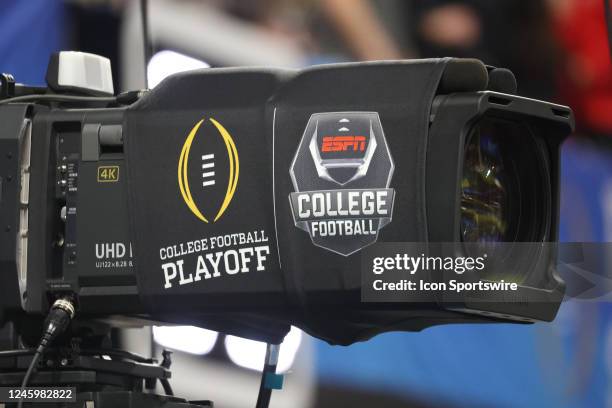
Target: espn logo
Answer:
pixel 343 144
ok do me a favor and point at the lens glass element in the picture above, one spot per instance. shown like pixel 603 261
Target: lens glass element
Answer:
pixel 484 189
pixel 505 198
pixel 504 184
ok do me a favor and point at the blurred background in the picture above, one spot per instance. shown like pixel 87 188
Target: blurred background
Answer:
pixel 558 51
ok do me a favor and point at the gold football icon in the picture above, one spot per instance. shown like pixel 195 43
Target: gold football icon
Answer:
pixel 207 170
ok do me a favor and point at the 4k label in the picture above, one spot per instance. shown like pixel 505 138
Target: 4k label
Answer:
pixel 108 174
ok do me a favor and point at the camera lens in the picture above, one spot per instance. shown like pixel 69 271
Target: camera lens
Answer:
pixel 502 201
pixel 505 198
pixel 484 190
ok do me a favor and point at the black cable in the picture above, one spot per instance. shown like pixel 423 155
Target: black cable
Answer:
pixel 608 13
pixel 58 98
pixel 265 391
pixel 57 321
pixel 29 372
pixel 125 98
pixel 146 40
pixel 166 386
pixel 17 353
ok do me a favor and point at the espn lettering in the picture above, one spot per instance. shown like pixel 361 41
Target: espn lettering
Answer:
pixel 343 143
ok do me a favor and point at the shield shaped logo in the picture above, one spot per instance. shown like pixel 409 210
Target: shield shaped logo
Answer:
pixel 341 174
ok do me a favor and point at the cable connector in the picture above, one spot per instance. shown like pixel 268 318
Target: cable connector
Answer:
pixel 59 317
pixel 129 97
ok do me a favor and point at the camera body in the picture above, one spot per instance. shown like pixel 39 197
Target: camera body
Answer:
pixel 241 200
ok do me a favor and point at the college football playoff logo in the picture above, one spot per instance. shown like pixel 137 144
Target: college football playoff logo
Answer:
pixel 208 170
pixel 341 174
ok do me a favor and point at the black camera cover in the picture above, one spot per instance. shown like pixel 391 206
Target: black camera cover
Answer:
pixel 253 191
